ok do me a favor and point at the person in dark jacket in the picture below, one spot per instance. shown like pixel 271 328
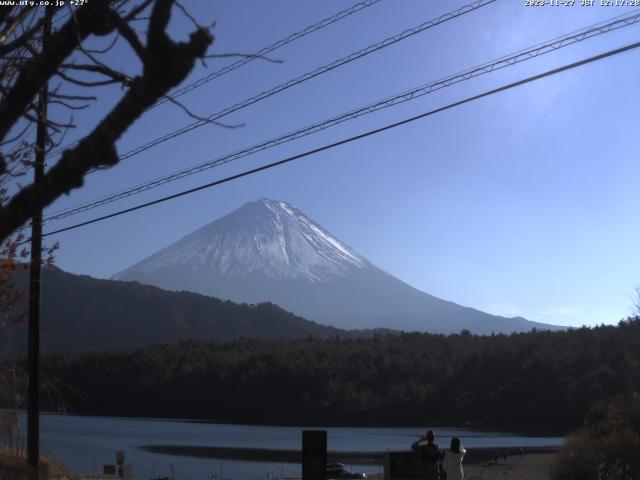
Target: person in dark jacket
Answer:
pixel 429 454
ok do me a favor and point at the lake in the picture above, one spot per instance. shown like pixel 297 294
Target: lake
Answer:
pixel 86 443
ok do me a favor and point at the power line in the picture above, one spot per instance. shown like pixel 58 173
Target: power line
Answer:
pixel 312 74
pixel 517 57
pixel 307 76
pixel 269 49
pixel 369 133
pixel 259 54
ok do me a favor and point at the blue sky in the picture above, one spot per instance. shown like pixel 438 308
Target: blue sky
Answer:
pixel 524 203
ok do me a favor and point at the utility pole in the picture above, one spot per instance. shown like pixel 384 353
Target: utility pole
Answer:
pixel 17 411
pixel 33 394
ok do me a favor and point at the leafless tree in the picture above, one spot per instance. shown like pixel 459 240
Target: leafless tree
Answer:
pixel 72 68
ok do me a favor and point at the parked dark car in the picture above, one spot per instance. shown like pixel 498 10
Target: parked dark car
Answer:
pixel 337 471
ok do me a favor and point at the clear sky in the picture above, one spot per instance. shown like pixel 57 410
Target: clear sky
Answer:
pixel 524 203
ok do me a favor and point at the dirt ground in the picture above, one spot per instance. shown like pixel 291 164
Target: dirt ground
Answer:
pixel 527 467
pixel 535 466
pixel 12 466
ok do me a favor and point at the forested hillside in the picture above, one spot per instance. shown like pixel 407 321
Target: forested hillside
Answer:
pixel 542 380
pixel 81 313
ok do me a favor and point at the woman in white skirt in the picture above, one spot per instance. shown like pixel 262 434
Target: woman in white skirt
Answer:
pixel 452 460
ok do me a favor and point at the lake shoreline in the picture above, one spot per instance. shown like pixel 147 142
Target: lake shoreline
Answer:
pixel 532 431
pixel 474 455
pixel 87 443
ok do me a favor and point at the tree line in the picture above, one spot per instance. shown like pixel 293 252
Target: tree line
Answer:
pixel 537 380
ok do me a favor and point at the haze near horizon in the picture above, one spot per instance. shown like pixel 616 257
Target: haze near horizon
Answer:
pixel 270 251
pixel 521 204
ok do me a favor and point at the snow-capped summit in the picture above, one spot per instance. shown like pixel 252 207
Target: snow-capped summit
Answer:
pixel 266 237
pixel 270 251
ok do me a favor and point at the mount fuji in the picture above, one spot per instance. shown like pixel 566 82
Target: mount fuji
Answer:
pixel 269 251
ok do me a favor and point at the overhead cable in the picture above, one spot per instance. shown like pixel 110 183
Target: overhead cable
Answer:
pixel 310 75
pixel 511 59
pixel 259 54
pixel 269 49
pixel 488 93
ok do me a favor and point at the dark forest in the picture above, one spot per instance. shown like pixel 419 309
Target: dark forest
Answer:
pixel 539 380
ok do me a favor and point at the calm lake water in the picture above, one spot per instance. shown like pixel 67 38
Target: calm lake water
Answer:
pixel 87 443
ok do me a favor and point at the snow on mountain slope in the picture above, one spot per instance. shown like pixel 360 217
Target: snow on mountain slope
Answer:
pixel 267 237
pixel 270 251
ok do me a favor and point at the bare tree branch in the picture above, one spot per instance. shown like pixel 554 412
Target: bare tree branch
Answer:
pixel 5 14
pixel 71 97
pixel 165 64
pixel 137 10
pixel 21 40
pixel 186 13
pixel 92 18
pixel 101 69
pixel 12 24
pixel 107 48
pixel 69 105
pixel 17 136
pixel 129 35
pixel 56 126
pixel 86 83
pixel 198 117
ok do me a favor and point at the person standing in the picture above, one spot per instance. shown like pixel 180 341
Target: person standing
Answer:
pixel 452 460
pixel 429 454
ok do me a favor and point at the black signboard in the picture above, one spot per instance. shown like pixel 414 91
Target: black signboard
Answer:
pixel 314 454
pixel 402 465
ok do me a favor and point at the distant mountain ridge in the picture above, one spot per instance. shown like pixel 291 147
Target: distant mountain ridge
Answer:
pixel 80 313
pixel 270 251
